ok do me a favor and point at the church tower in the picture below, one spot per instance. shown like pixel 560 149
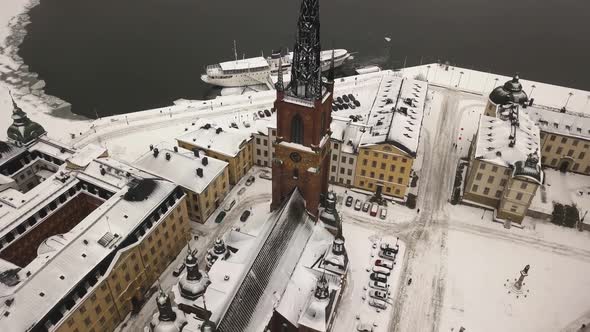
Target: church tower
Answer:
pixel 302 149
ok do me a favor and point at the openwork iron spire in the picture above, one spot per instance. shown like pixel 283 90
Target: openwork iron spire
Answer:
pixel 331 72
pixel 280 86
pixel 306 81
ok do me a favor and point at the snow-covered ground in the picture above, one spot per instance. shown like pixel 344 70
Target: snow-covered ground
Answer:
pixel 564 188
pixel 477 298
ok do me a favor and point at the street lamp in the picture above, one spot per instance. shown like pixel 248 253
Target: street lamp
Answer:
pixel 495 82
pixel 568 100
pixel 428 72
pixel 587 100
pixel 532 89
pixel 460 76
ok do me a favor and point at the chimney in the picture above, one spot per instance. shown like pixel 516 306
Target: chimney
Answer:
pixel 218 130
pixel 176 149
pixel 168 156
pixel 200 172
pixel 205 161
pixel 102 171
pixel 196 152
pixel 156 151
pixel 151 147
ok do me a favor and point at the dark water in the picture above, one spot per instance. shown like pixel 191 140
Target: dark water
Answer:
pixel 120 56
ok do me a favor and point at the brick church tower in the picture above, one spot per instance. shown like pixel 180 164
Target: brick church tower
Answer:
pixel 302 147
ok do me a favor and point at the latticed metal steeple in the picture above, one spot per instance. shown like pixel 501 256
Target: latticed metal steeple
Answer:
pixel 306 75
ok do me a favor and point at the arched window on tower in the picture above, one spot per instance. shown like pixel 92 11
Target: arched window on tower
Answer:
pixel 297 129
pixel 295 173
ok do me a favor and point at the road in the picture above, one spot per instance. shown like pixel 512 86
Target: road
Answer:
pixel 418 306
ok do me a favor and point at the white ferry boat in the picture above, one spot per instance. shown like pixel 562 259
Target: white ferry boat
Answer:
pixel 256 71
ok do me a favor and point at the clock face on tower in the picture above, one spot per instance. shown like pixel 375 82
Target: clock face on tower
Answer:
pixel 296 157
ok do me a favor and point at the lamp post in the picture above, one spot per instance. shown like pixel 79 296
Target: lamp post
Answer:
pixel 587 100
pixel 495 82
pixel 428 72
pixel 568 99
pixel 460 76
pixel 532 89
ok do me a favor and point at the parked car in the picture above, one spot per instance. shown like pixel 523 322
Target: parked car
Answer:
pixel 339 99
pixel 382 270
pixel 384 263
pixel 378 277
pixel 351 97
pixel 241 191
pixel 383 213
pixel 378 294
pixel 364 327
pixel 349 200
pixel 245 215
pixel 229 205
pixel 387 255
pixel 357 205
pixel 345 98
pixel 374 210
pixel 261 114
pixel 366 206
pixel 250 180
pixel 220 217
pixel 379 285
pixel 178 270
pixel 387 247
pixel 265 175
pixel 379 304
pixel 267 113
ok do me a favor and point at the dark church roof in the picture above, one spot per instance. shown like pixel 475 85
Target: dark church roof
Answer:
pixel 23 131
pixel 280 252
pixel 510 92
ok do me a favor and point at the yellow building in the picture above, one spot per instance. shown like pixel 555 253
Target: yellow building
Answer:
pixel 383 165
pixel 230 145
pixel 94 273
pixel 504 167
pixel 204 179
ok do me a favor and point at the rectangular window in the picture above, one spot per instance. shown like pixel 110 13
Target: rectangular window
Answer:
pixel 582 155
pixel 513 208
pixel 400 180
pixel 552 138
pixel 494 169
pixel 518 196
pixel 474 188
pixel 333 168
pixel 553 162
pixel 548 148
pixel 363 172
pixel 391 178
pixel 350 160
pixel 482 166
pixel 372 174
pixel 334 157
pixel 397 191
pixel 341 170
pixel 570 153
pixel 343 159
pixel 490 179
pixel 392 168
pixel 498 193
pixel 502 182
pixel 364 162
pixel 478 176
pixel 335 145
pixel 257 140
pixel 98 309
pixel 362 183
pixel 523 185
pixel 576 166
pixel 349 172
pixel 587 169
pixel 559 149
pixel 375 154
pixel 374 163
pixel 382 165
pixel 563 139
pixel 348 182
pixel 575 142
pixel 402 170
pixel 332 178
pixel 486 190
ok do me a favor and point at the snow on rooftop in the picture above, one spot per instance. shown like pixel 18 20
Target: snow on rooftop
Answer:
pixel 553 121
pixel 39 293
pixel 52 148
pixel 227 141
pixel 493 140
pixel 181 168
pixel 86 155
pixel 407 120
pixel 565 188
pixel 250 63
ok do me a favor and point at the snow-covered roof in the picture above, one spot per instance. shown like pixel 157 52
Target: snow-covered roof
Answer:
pixel 86 155
pixel 250 63
pixel 9 151
pixel 553 121
pixel 227 141
pixel 407 120
pixel 52 148
pixel 60 271
pixel 494 142
pixel 181 168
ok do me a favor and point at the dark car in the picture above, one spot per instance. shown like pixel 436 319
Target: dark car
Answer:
pixel 339 100
pixel 387 247
pixel 349 200
pixel 378 277
pixel 345 97
pixel 351 97
pixel 261 114
pixel 357 103
pixel 387 255
pixel 245 215
pixel 220 217
pixel 267 113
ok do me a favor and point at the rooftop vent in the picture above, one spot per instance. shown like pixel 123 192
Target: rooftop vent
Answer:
pixel 499 153
pixel 106 239
pixel 206 126
pixel 176 149
pixel 151 147
pixel 196 152
pixel 218 130
pixel 205 161
pixel 168 156
pixel 200 172
pixel 103 171
pixel 156 152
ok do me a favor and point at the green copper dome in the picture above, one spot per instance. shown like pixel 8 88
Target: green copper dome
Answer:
pixel 510 92
pixel 23 131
